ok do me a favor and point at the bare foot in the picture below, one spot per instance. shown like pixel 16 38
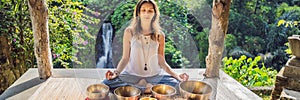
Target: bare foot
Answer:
pixel 148 88
pixel 142 82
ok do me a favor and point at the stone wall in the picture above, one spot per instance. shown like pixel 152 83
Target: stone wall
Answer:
pixel 287 85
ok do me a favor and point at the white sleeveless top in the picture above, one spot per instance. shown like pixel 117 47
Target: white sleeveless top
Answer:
pixel 143 51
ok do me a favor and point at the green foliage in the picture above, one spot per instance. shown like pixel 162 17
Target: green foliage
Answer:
pixel 122 14
pixel 176 60
pixel 106 7
pixel 202 39
pixel 230 42
pixel 288 19
pixel 174 21
pixel 173 10
pixel 15 26
pixel 68 26
pixel 292 17
pixel 254 44
pixel 276 36
pixel 249 72
pixel 285 8
pixel 288 23
pixel 288 51
pixel 262 27
pixel 253 27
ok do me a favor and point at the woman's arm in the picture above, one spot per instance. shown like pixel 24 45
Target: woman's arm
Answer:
pixel 125 58
pixel 126 50
pixel 161 58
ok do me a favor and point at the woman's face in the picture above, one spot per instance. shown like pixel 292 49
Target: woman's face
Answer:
pixel 147 12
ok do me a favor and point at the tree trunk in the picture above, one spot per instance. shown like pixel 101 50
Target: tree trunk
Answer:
pixel 220 13
pixel 39 17
pixel 7 76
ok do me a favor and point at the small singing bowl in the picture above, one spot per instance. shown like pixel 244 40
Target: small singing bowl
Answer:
pixel 148 98
pixel 127 93
pixel 163 92
pixel 97 91
pixel 195 90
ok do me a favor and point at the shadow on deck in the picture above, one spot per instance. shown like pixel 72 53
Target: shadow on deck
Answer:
pixel 70 84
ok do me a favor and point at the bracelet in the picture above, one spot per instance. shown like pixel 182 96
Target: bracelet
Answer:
pixel 116 72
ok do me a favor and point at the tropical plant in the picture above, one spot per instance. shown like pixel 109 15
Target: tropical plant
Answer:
pixel 202 39
pixel 255 26
pixel 68 25
pixel 248 71
pixel 16 41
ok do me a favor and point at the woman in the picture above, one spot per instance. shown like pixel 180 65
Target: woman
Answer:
pixel 143 52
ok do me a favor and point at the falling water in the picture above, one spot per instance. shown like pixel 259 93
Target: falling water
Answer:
pixel 107 31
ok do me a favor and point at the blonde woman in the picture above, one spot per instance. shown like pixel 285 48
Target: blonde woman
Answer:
pixel 143 62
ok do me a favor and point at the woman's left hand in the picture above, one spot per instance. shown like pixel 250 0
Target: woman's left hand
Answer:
pixel 110 75
pixel 184 77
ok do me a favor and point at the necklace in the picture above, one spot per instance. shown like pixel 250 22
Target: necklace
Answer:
pixel 146 60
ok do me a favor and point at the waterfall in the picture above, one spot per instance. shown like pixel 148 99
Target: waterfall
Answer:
pixel 104 60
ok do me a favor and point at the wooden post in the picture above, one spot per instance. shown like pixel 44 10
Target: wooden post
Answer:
pixel 39 17
pixel 220 13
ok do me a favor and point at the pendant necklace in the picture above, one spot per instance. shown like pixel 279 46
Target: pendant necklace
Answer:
pixel 146 60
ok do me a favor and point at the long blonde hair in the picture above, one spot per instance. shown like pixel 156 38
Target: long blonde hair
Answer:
pixel 136 21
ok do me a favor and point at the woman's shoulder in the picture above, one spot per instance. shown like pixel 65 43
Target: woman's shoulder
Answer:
pixel 128 31
pixel 160 33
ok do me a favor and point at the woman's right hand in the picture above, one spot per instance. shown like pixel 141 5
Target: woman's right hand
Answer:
pixel 184 77
pixel 110 75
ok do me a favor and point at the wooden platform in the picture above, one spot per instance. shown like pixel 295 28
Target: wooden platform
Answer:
pixel 71 84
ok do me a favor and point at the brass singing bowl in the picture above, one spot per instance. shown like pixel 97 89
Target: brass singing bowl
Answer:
pixel 163 92
pixel 97 91
pixel 148 98
pixel 127 93
pixel 195 90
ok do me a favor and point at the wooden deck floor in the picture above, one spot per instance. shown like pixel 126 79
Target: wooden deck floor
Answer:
pixel 70 84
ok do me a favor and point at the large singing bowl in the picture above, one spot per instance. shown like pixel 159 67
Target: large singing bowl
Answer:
pixel 163 92
pixel 97 91
pixel 195 90
pixel 127 93
pixel 148 98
